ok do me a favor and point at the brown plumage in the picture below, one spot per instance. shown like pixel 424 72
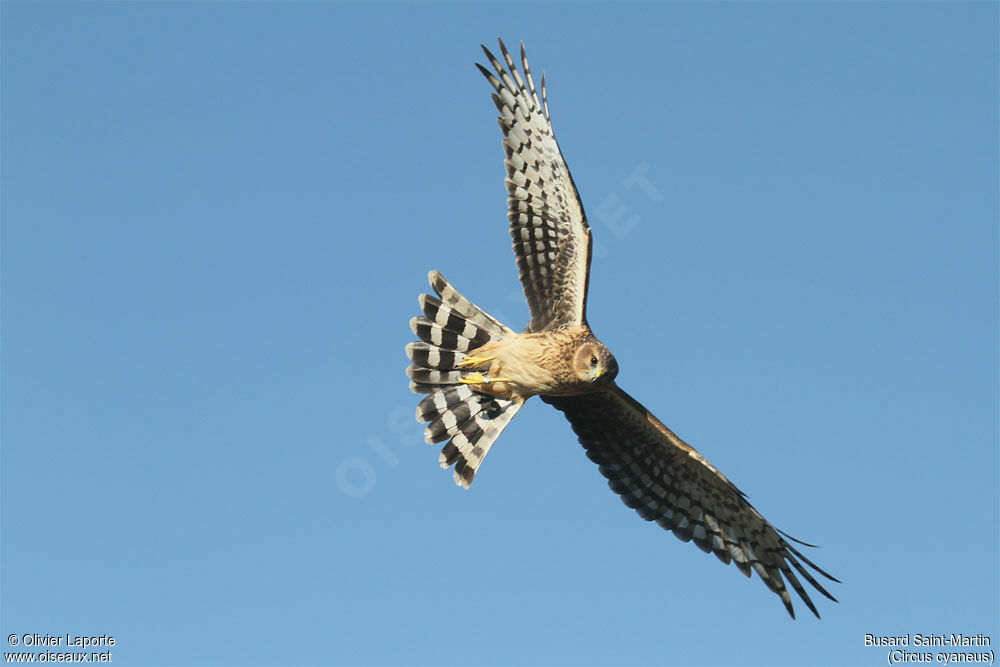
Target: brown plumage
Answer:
pixel 477 373
pixel 554 363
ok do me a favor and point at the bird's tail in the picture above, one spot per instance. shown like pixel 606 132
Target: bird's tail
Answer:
pixel 470 421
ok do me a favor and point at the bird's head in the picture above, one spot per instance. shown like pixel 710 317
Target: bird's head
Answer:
pixel 595 364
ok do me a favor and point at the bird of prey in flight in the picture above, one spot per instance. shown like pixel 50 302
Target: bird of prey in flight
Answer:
pixel 477 372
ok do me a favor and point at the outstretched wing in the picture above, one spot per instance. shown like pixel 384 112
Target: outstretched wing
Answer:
pixel 666 480
pixel 547 224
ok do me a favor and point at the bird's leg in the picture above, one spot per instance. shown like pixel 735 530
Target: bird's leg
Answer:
pixel 479 378
pixel 475 361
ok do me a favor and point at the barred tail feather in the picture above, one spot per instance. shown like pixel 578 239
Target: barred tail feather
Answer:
pixel 455 301
pixel 470 445
pixel 469 421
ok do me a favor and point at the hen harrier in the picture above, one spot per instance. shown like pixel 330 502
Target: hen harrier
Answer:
pixel 477 373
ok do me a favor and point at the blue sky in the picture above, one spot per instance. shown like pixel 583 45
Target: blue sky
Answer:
pixel 217 218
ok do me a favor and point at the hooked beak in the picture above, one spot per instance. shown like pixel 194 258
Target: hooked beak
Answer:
pixel 604 375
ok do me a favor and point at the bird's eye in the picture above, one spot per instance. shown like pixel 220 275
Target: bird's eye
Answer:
pixel 593 361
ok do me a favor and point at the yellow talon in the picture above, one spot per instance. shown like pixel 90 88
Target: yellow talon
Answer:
pixel 474 378
pixel 474 361
pixel 479 378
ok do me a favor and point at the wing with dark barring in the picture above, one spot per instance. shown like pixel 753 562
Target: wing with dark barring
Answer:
pixel 548 226
pixel 667 481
